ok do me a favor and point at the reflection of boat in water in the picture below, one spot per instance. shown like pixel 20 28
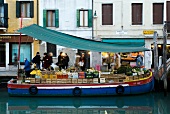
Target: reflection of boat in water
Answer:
pixel 142 103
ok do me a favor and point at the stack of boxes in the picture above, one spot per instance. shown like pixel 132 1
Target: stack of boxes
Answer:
pixel 52 77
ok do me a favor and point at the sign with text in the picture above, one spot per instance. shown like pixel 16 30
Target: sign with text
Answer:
pixel 148 32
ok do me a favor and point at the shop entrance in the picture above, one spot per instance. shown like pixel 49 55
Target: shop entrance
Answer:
pixel 2 55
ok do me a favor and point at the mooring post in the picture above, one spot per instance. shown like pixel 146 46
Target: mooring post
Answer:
pixel 165 58
pixel 155 56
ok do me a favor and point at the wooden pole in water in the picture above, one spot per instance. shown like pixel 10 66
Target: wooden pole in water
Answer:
pixel 165 58
pixel 155 57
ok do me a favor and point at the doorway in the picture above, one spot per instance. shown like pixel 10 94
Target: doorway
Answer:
pixel 2 55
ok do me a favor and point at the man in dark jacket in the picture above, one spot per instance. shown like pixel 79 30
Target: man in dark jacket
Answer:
pixel 27 68
pixel 37 60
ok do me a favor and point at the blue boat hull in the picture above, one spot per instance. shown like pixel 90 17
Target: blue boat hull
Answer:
pixel 90 91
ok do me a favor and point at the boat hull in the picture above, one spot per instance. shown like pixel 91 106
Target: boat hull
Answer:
pixel 106 89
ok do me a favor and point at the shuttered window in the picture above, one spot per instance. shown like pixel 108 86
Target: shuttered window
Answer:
pixel 158 9
pixel 168 10
pixel 25 9
pixel 84 18
pixel 6 15
pixel 107 14
pixel 50 18
pixel 168 16
pixel 137 9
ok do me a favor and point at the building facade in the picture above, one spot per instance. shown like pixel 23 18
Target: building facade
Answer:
pixel 16 14
pixel 127 21
pixel 71 17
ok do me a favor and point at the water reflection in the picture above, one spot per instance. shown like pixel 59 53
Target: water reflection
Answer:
pixel 152 103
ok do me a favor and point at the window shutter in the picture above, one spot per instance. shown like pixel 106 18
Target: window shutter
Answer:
pixel 90 18
pixel 31 9
pixel 78 18
pixel 57 18
pixel 1 2
pixel 6 15
pixel 44 18
pixel 18 9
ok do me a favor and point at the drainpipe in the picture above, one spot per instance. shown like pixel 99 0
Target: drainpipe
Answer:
pixel 37 12
pixel 92 22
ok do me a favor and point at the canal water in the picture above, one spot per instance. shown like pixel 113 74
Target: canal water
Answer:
pixel 150 103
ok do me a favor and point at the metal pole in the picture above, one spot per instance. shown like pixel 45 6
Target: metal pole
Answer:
pixel 165 58
pixel 92 20
pixel 155 57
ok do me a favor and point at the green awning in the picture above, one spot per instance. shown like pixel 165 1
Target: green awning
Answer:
pixel 70 41
pixel 135 42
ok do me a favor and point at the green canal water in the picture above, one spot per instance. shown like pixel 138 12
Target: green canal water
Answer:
pixel 150 103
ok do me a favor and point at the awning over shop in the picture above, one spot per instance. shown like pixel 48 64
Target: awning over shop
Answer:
pixel 70 41
pixel 134 42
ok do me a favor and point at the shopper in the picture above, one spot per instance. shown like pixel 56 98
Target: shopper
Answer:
pixel 37 60
pixel 27 68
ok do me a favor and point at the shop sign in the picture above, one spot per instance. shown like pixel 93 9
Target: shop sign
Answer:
pixel 148 32
pixel 121 32
pixel 5 38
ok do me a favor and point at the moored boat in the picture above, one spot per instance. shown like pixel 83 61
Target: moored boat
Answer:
pixel 130 85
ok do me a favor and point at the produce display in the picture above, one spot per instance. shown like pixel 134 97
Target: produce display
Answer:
pixel 123 74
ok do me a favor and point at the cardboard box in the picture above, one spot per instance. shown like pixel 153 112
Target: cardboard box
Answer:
pixel 74 81
pixel 37 80
pixel 32 80
pixel 95 80
pixel 63 81
pixel 58 81
pixel 53 81
pixel 80 81
pixel 89 80
pixel 102 80
pixel 84 80
pixel 68 81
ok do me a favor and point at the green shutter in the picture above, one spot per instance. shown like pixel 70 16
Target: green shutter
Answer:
pixel 1 2
pixel 57 18
pixel 18 9
pixel 44 18
pixel 90 18
pixel 6 15
pixel 78 18
pixel 31 9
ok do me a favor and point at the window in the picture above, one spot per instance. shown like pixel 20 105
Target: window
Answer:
pixel 84 18
pixel 51 18
pixel 25 9
pixel 107 14
pixel 4 15
pixel 137 13
pixel 168 10
pixel 25 51
pixel 158 13
pixel 168 16
pixel 51 48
